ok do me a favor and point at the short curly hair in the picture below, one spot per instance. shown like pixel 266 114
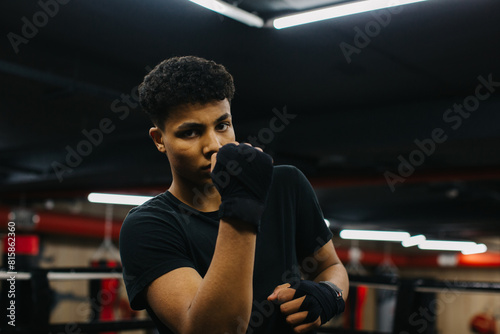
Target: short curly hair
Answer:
pixel 183 80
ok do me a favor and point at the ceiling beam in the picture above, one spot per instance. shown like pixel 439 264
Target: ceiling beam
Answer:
pixel 57 80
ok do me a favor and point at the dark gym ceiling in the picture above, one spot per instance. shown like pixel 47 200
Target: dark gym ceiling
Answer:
pixel 356 116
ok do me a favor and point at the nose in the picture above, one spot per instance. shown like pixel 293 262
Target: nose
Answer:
pixel 211 144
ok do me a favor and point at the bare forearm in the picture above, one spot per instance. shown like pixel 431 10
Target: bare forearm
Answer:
pixel 337 275
pixel 224 298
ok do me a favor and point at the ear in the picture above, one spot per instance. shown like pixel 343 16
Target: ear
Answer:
pixel 157 136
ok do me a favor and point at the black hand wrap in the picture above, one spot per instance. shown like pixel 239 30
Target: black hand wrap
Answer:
pixel 242 175
pixel 322 299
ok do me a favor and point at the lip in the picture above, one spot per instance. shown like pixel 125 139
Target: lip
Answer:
pixel 206 167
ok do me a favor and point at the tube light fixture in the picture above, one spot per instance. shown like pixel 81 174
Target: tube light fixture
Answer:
pixel 413 241
pixel 476 249
pixel 232 12
pixel 466 247
pixel 446 245
pixel 117 199
pixel 336 11
pixel 374 235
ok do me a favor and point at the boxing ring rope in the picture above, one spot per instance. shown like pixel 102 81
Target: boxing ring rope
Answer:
pixel 407 289
pixel 424 285
pixel 57 276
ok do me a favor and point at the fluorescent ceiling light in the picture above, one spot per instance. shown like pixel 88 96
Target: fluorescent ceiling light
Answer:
pixel 476 249
pixel 336 11
pixel 413 241
pixel 374 235
pixel 117 199
pixel 466 247
pixel 446 245
pixel 231 11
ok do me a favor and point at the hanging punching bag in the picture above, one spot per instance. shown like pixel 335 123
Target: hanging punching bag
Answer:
pixel 104 294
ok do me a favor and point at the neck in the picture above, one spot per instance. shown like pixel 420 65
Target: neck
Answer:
pixel 203 198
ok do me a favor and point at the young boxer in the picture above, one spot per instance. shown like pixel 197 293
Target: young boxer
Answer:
pixel 235 245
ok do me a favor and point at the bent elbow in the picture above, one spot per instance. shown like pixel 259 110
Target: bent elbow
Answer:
pixel 235 324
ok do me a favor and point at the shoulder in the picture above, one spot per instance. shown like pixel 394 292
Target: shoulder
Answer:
pixel 288 181
pixel 289 174
pixel 158 210
pixel 158 205
pixel 286 171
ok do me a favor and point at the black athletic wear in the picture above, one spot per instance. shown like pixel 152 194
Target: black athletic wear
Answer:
pixel 164 234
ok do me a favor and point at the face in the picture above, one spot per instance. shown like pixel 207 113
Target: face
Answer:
pixel 191 134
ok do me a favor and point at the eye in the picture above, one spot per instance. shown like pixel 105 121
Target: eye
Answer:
pixel 189 133
pixel 223 126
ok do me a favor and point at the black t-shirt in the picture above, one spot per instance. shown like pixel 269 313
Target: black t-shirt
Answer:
pixel 164 234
